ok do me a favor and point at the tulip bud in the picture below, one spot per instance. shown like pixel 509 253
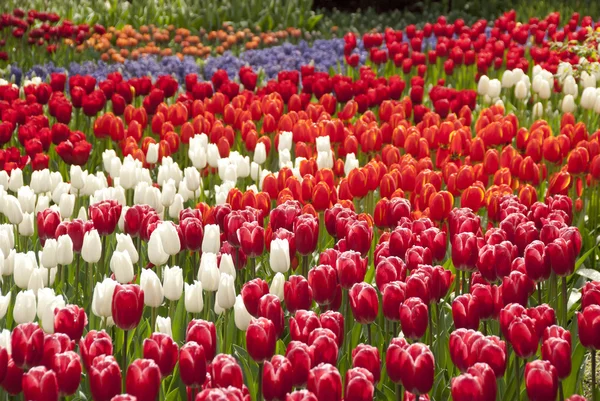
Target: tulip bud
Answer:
pixel 541 380
pixel 193 297
pixel 102 298
pixel 261 339
pixel 12 210
pixel 121 266
pixel 143 379
pixel 176 206
pixel 132 296
pixel 211 243
pixel 16 180
pixel 521 90
pixel 208 273
pixel 260 153
pixel 24 309
pixel 226 292
pixel 226 265
pixel 203 333
pixel 588 98
pixel 279 258
pixel 241 316
pixel 568 104
pixel 156 251
pixel 494 88
pixel 168 193
pixel 192 364
pixel 277 285
pixel 483 85
pixel 49 257
pixel 125 244
pixel 153 290
pixel 91 250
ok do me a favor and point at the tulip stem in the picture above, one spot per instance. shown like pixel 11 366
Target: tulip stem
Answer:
pixel 152 319
pixel 565 297
pixel 369 333
pixel 399 392
pixel 518 377
pixel 561 391
pixel 124 358
pixel 77 278
pixel 539 293
pixel 593 351
pixel 260 380
pixel 305 266
pixel 464 282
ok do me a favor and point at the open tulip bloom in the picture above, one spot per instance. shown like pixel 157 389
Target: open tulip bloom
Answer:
pixel 403 215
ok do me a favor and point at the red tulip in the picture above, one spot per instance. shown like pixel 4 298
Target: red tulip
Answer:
pixel 367 357
pixel 95 343
pixel 333 321
pixel 56 343
pixel 192 364
pixel 27 344
pixel 297 294
pixel 143 379
pixel 105 378
pixel 588 323
pixel 487 300
pixel 359 385
pixel 3 363
pixel 558 352
pixel 260 339
pixel 252 292
pixel 492 351
pixel 364 303
pixel 351 268
pixel 127 306
pixel 300 355
pixel 306 231
pixel 323 281
pixel 523 336
pixel 461 341
pixel 389 269
pixel 465 313
pixel 40 384
pixel 71 321
pixel 392 358
pixel 163 350
pixel 541 381
pixel 394 294
pixel 225 372
pixel 479 383
pixel 251 238
pixel 590 294
pixel 413 318
pixel 192 232
pixel 325 383
pixel 47 221
pixel 543 316
pixel 416 366
pixel 67 367
pixel 494 260
pixel 217 394
pixel 12 382
pixel 359 236
pixel 277 378
pixel 400 240
pixel 105 215
pixel 536 262
pixel 270 307
pixel 204 334
pixel 301 395
pixel 302 324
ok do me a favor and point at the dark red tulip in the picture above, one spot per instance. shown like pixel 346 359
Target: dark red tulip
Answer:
pixel 297 294
pixel 523 337
pixel 40 384
pixel 203 333
pixel 492 351
pixel 301 395
pixel 465 312
pixel 95 343
pixel 333 321
pixel 413 318
pixel 364 303
pixel 516 288
pixel 561 256
pixel 302 324
pixel 541 381
pixel 192 232
pixel 306 231
pixel 494 261
pixel 260 339
pixel 389 269
pixel 558 352
pixel 225 371
pixel 217 394
pixel 359 385
pixel 127 306
pixel 460 343
pixel 590 294
pixel 67 367
pixel 417 285
pixel 252 292
pixel 56 343
pixel 47 221
pixel 3 363
pixel 105 215
pixel 105 378
pixel 300 355
pixel 163 350
pixel 588 323
pixel 400 240
pixel 277 378
pixel 393 296
pixel 27 344
pixel 323 347
pixel 192 364
pixel 359 237
pixel 323 282
pixel 543 316
pixel 12 382
pixel 143 379
pixel 251 238
pixel 558 332
pixel 417 255
pixel 351 268
pixel 325 382
pixel 465 248
pixel 392 358
pixel 367 356
pixel 269 307
pixel 536 262
pixel 487 300
pixel 478 384
pixel 508 315
pixel 70 320
pixel 416 366
pixel 441 280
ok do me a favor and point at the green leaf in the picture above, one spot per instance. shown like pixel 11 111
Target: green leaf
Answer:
pixel 591 274
pixel 173 395
pixel 583 258
pixel 281 348
pixel 313 21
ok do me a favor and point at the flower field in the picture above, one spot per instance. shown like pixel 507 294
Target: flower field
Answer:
pixel 256 213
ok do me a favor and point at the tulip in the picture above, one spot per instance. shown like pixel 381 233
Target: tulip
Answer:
pixel 71 321
pixel 260 339
pixel 277 284
pixel 588 323
pixel 477 384
pixel 105 378
pixel 541 380
pixel 465 312
pixel 300 355
pixel 67 367
pixel 64 251
pixel 367 357
pixel 211 242
pixel 127 306
pixel 226 372
pixel 277 378
pixel 242 317
pixel 323 281
pixel 4 302
pixel 301 395
pixel 173 282
pixel 351 268
pixel 302 325
pixel 226 292
pixel 163 326
pixel 226 265
pixel 49 257
pixel 416 365
pixel 143 379
pixel 204 334
pixel 94 344
pixel 105 216
pixel 91 251
pixel 359 385
pixel 102 298
pixel 590 294
pixel 269 307
pixel 156 251
pixel 523 336
pixel 152 288
pixel 192 364
pixel 297 294
pixel 163 350
pixel 306 231
pixel 413 318
pixel 24 309
pixel 325 383
pixel 558 352
pixel 279 257
pixel 364 303
pixel 40 384
pixel 27 345
pixel 125 244
pixel 193 297
pixel 252 292
pixel 208 273
pixel 323 346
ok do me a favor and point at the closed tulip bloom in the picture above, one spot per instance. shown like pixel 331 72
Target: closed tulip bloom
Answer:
pixel 269 307
pixel 351 268
pixel 392 358
pixel 490 350
pixel 40 384
pixel 127 306
pixel 523 336
pixel 323 346
pixel 94 344
pixel 389 269
pixel 208 273
pixel 487 300
pixel 333 321
pixel 367 357
pixel 194 302
pixel 105 215
pixel 537 263
pixel 417 368
pixel 279 257
pixel 26 343
pixel 558 352
pixel 163 325
pixel 241 316
pixel 323 281
pixel 277 378
pixel 251 238
pixel 252 292
pixel 24 309
pixel 465 313
pixel 203 333
pixel 225 372
pixel 277 284
pixel 359 385
pixel 143 379
pixel 260 339
pixel 413 318
pixel 67 367
pixel 169 237
pixel 192 364
pixel 211 242
pixel 325 382
pixel 70 320
pixel 544 316
pixel 306 231
pixel 561 257
pixel 64 250
pixel 124 397
pixel 302 325
pixel 516 288
pixel 479 383
pixel 125 243
pixel 156 252
pixel 49 257
pixel 364 302
pixel 152 288
pixel 297 294
pixel 226 265
pixel 12 383
pixel 541 380
pixel 102 298
pixel 301 395
pixel 590 294
pixel 105 378
pixel 26 226
pixel 588 323
pixel 4 302
pixel 12 210
pixel 163 350
pixel 91 251
pixel 300 355
pixel 226 293
pixel 460 345
pixel 172 282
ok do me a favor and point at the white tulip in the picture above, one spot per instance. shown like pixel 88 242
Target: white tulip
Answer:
pixel 156 251
pixel 254 169
pixel 173 282
pixel 102 299
pixel 241 315
pixel 152 153
pixel 212 154
pixel 191 178
pixel 82 215
pixel 508 79
pixel 153 291
pixel 12 210
pixel 521 90
pixel 4 302
pixel 211 242
pixel 176 207
pixel 538 110
pixel 91 251
pixel 277 284
pixel 568 104
pixel 483 85
pixel 7 238
pixel 4 178
pixel 36 280
pixel 26 197
pixel 78 177
pixel 47 311
pixel 9 263
pixel 26 227
pixel 24 309
pixel 325 160
pixel 226 265
pixel 67 204
pixel 494 88
pixel 194 302
pixel 168 193
pixel 23 267
pixel 570 86
pixel 16 180
pixel 43 203
pixel 208 273
pixel 350 164
pixel 588 98
pixel 64 250
pixel 285 141
pixel 279 258
pixel 49 257
pixel 5 340
pixel 544 91
pixel 122 267
pixel 169 237
pixel 260 153
pixel 587 80
pixel 163 325
pixel 597 105
pixel 226 292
